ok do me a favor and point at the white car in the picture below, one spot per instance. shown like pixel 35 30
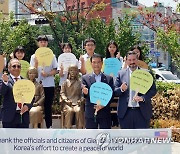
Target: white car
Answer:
pixel 166 76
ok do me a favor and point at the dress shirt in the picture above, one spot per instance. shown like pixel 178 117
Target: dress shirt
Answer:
pixel 97 77
pixel 132 93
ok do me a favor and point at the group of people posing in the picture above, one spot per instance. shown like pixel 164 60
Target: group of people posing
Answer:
pixel 133 110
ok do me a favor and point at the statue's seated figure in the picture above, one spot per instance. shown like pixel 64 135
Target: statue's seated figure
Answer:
pixel 71 100
pixel 36 112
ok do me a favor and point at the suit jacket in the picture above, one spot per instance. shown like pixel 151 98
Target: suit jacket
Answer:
pixel 9 105
pixel 145 107
pixel 88 80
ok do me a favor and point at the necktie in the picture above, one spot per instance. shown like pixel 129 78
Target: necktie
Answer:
pixel 16 79
pixel 19 104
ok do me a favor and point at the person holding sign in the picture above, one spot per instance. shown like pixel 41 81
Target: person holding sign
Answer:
pixel 19 53
pixel 112 51
pixel 66 48
pixel 85 66
pixel 71 99
pixel 103 117
pixel 2 66
pixel 112 63
pixel 134 110
pixel 46 76
pixel 11 110
pixel 36 112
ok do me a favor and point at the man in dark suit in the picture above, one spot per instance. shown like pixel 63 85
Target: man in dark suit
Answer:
pixel 134 111
pixel 103 118
pixel 11 111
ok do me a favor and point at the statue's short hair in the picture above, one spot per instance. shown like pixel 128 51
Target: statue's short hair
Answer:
pixel 32 69
pixel 69 68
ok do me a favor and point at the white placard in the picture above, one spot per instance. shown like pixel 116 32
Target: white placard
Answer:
pixel 67 59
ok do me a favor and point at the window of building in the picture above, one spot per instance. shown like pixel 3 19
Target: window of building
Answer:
pixel 114 3
pixel 103 19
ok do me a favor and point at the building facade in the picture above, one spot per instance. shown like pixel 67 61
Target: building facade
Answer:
pixel 4 7
pixel 21 11
pixel 86 5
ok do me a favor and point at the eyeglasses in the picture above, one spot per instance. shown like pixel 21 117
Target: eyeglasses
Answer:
pixel 16 66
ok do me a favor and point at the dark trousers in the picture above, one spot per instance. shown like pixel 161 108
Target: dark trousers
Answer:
pixel 16 123
pixel 49 95
pixel 133 119
pixel 102 123
pixel 0 107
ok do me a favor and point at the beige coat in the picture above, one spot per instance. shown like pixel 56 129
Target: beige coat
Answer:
pixel 72 103
pixel 36 112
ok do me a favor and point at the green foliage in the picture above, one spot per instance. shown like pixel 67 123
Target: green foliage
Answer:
pixel 169 41
pixel 56 80
pixel 165 86
pixel 11 37
pixel 125 36
pixel 120 32
pixel 101 32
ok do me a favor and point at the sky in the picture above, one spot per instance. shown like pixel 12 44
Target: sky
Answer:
pixel 165 2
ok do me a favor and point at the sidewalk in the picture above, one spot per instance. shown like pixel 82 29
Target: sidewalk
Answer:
pixel 56 123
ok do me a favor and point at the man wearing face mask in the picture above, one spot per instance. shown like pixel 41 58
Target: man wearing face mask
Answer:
pixel 134 111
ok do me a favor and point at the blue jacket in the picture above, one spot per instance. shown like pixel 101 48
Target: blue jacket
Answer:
pixel 145 107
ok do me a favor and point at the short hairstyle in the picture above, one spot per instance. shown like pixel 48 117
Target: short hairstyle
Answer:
pixel 32 69
pixel 13 59
pixel 96 56
pixel 63 45
pixel 70 67
pixel 89 40
pixel 42 38
pixel 131 53
pixel 19 48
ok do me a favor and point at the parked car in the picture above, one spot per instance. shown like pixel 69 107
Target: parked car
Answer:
pixel 166 76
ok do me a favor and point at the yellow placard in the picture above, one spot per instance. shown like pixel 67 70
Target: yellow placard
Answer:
pixel 44 56
pixel 141 81
pixel 1 63
pixel 88 66
pixel 24 68
pixel 142 64
pixel 23 91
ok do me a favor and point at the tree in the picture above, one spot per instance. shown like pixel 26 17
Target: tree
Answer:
pixel 67 24
pixel 73 25
pixel 120 32
pixel 170 41
pixel 11 37
pixel 165 23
